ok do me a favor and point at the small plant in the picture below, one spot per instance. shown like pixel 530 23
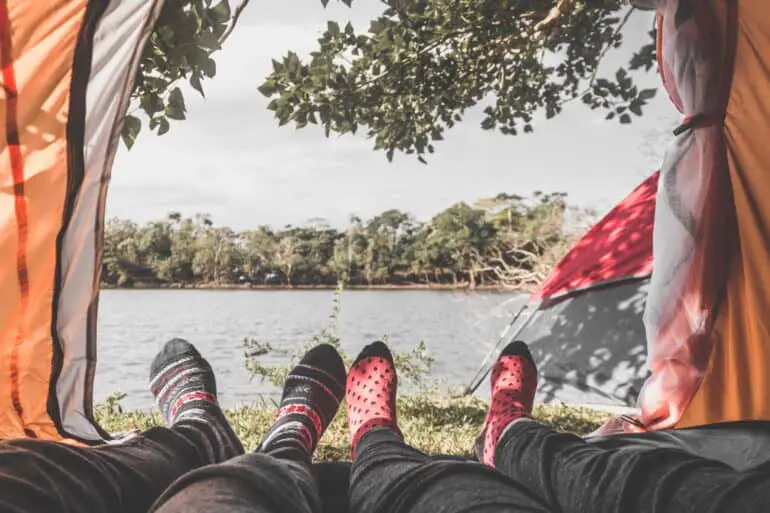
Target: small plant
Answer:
pixel 111 406
pixel 413 366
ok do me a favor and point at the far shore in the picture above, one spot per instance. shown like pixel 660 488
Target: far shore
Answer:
pixel 231 286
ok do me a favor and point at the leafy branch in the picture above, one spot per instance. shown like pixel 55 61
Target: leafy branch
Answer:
pixel 421 65
pixel 180 49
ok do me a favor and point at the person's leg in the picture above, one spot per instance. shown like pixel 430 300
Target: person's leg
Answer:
pixel 574 476
pixel 388 476
pixel 742 445
pixel 128 476
pixel 277 478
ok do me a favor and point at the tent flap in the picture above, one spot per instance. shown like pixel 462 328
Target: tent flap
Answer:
pixel 67 72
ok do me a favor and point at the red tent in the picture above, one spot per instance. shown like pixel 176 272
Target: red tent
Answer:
pixel 619 247
pixel 584 322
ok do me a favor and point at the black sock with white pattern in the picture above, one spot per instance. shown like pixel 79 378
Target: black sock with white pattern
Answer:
pixel 185 389
pixel 182 382
pixel 311 397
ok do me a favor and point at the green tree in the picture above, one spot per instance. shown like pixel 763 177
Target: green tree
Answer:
pixel 349 250
pixel 258 247
pixel 463 236
pixel 217 257
pixel 315 248
pixel 422 64
pixel 121 252
pixel 286 254
pixel 510 241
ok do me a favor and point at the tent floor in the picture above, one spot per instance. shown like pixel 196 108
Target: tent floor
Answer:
pixel 741 445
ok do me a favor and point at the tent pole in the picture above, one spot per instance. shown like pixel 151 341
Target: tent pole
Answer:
pixel 486 366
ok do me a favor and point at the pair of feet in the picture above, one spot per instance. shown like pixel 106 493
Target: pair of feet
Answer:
pixel 183 384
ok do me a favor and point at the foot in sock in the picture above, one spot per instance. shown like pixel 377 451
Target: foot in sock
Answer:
pixel 513 386
pixel 371 393
pixel 311 397
pixel 182 382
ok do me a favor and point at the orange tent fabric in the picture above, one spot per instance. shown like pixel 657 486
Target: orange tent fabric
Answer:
pixel 66 71
pixel 709 297
pixel 737 383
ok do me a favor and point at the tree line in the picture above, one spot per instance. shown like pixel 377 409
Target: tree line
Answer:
pixel 506 240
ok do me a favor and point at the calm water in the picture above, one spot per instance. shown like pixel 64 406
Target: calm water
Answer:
pixel 458 328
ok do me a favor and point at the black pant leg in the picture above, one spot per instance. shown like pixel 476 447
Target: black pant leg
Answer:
pixel 574 476
pixel 38 476
pixel 388 476
pixel 254 483
pixel 741 445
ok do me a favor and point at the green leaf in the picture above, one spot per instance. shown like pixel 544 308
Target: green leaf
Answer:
pixel 209 67
pixel 647 94
pixel 195 82
pixel 176 107
pixel 278 67
pixel 625 119
pixel 268 88
pixel 333 28
pixel 151 103
pixel 131 128
pixel 221 12
pixel 163 126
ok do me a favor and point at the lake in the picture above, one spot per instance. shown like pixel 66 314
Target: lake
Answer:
pixel 458 327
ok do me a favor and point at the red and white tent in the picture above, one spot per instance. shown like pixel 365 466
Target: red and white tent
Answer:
pixel 584 322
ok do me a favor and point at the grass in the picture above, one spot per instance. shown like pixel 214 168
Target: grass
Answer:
pixel 432 424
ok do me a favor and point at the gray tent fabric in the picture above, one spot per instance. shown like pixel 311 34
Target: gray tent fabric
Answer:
pixel 591 347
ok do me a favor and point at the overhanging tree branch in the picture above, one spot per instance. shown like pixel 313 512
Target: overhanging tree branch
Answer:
pixel 236 16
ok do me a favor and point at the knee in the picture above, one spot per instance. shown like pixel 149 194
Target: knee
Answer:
pixel 251 479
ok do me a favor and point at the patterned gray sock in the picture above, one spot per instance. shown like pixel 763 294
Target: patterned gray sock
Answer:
pixel 311 398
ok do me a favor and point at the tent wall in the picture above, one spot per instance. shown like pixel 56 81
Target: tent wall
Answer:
pixel 67 71
pixel 591 347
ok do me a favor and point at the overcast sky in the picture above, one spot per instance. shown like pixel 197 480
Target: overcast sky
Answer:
pixel 231 160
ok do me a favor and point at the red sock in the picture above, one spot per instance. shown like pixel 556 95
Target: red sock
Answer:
pixel 513 384
pixel 371 393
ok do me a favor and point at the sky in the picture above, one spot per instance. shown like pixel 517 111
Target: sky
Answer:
pixel 231 160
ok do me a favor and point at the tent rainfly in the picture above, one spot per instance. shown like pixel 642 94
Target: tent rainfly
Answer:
pixel 584 322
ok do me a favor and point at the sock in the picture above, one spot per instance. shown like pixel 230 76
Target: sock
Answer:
pixel 310 400
pixel 371 393
pixel 182 382
pixel 513 384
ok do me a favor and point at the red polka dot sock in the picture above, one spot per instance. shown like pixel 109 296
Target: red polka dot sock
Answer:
pixel 371 393
pixel 513 384
pixel 311 396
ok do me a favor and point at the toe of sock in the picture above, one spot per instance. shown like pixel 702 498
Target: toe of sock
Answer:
pixel 173 349
pixel 376 349
pixel 518 348
pixel 326 357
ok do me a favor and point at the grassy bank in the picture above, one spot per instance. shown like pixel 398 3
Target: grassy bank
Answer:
pixel 433 425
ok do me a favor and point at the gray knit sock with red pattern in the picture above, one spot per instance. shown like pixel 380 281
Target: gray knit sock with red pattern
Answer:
pixel 182 382
pixel 311 397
